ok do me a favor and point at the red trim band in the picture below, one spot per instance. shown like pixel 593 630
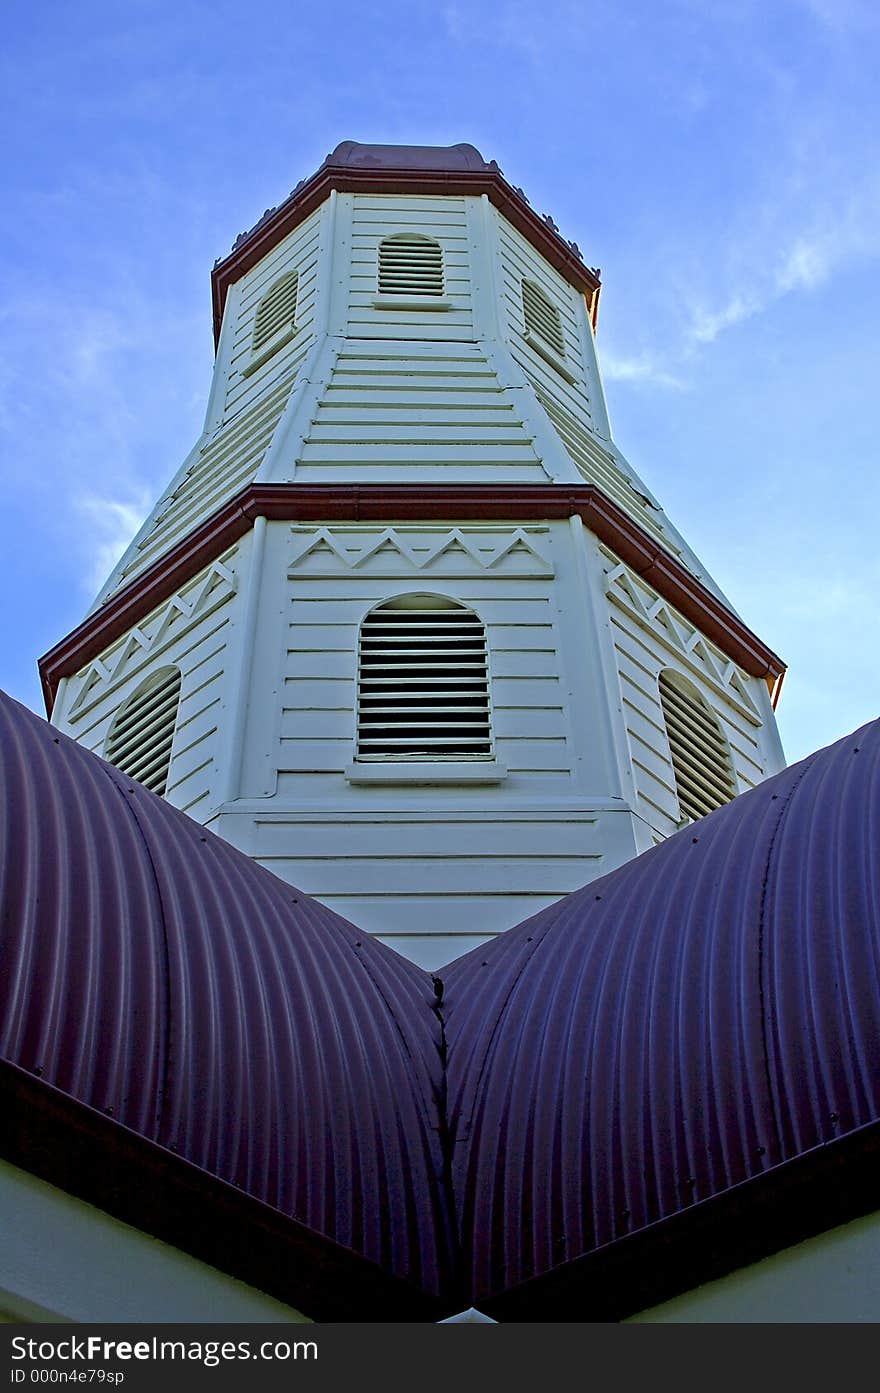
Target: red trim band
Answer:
pixel 411 502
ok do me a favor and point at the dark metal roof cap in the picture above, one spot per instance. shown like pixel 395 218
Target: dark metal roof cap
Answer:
pixel 352 154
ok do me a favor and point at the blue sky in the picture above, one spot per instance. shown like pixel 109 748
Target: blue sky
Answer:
pixel 718 159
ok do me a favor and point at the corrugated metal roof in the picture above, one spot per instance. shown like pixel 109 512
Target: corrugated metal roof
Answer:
pixel 695 1018
pixel 666 1042
pixel 155 973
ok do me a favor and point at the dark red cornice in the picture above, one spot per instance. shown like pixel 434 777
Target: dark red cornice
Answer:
pixel 357 179
pixel 406 503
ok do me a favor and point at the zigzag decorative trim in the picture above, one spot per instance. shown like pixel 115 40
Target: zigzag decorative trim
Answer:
pixel 217 584
pixel 674 632
pixel 449 540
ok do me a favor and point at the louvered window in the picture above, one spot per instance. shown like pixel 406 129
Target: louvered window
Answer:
pixel 703 776
pixel 140 740
pixel 276 310
pixel 423 690
pixel 410 265
pixel 542 317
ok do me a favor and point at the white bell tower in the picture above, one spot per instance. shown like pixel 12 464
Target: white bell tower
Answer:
pixel 406 627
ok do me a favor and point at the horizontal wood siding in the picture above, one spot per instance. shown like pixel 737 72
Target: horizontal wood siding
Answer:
pixel 520 261
pixel 598 466
pixel 433 886
pixel 298 252
pixel 228 461
pixel 375 217
pixel 646 643
pixel 400 859
pixel 318 714
pixel 197 643
pixel 404 411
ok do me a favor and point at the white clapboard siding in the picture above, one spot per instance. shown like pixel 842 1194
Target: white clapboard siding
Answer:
pixel 642 653
pixel 318 725
pixel 404 411
pixel 377 217
pixel 418 879
pixel 227 463
pixel 519 262
pixel 598 467
pixel 297 253
pixel 195 644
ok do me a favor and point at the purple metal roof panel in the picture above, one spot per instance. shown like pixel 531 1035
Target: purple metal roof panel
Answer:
pixel 677 1027
pixel 659 1048
pixel 153 972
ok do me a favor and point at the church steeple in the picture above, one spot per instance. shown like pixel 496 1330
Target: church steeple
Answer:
pixel 406 627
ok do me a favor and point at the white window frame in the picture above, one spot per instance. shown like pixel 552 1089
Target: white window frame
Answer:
pixel 390 768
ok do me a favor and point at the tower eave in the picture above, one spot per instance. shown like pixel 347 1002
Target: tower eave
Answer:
pixel 401 169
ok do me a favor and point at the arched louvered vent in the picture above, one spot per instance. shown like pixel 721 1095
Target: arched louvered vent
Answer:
pixel 703 776
pixel 423 691
pixel 140 740
pixel 542 317
pixel 410 265
pixel 276 310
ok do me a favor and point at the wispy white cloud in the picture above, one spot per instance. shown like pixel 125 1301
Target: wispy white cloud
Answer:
pixel 707 324
pixel 111 524
pixel 637 368
pixel 844 16
pixel 456 23
pixel 806 264
pixel 777 261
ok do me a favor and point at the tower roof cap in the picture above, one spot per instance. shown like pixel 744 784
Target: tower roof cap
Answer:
pixel 351 153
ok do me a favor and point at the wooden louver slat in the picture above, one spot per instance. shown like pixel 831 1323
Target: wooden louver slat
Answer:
pixel 423 687
pixel 542 317
pixel 703 776
pixel 410 265
pixel 276 309
pixel 142 734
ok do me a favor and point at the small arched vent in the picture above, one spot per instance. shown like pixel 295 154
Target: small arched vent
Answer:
pixel 542 317
pixel 423 690
pixel 703 776
pixel 276 310
pixel 410 265
pixel 140 740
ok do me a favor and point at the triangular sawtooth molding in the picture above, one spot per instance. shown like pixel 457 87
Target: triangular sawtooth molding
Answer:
pixel 398 554
pixel 653 613
pixel 216 585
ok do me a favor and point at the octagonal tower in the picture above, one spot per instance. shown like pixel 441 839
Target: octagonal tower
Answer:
pixel 406 627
